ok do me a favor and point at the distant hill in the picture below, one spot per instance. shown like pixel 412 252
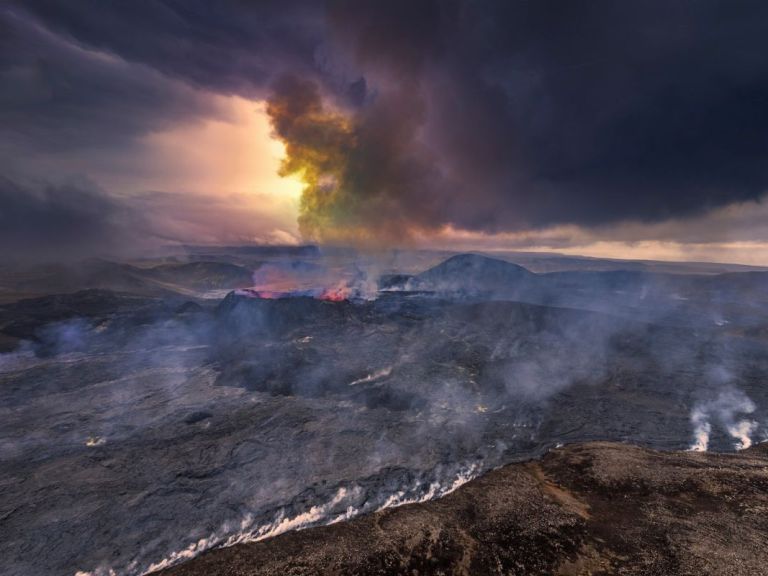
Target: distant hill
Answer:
pixel 680 299
pixel 193 279
pixel 90 274
pixel 202 275
pixel 23 320
pixel 541 262
pixel 472 273
pixel 270 251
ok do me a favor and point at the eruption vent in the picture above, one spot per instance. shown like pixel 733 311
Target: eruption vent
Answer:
pixel 301 279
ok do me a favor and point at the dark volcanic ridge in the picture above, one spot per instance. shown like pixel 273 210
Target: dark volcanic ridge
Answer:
pixel 595 508
pixel 698 300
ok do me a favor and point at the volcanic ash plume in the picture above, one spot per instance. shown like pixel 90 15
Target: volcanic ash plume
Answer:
pixel 318 143
pixel 366 177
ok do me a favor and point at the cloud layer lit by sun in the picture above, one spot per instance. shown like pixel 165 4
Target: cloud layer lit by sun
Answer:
pixel 209 179
pixel 233 153
pixel 217 179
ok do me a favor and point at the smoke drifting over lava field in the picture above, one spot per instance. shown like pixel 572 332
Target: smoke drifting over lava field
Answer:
pixel 284 265
pixel 151 412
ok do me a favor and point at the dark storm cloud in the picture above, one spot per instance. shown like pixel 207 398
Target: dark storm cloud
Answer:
pixel 551 112
pixel 67 221
pixel 56 95
pixel 232 46
pixel 486 115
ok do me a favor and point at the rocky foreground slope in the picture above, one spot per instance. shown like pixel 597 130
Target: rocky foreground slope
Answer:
pixel 597 508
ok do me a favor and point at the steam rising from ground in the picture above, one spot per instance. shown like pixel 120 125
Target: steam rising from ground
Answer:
pixel 290 413
pixel 724 410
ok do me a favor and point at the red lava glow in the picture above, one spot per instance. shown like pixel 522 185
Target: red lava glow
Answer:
pixel 337 294
pixel 273 281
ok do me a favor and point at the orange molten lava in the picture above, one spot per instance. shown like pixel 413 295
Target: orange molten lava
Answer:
pixel 337 294
pixel 272 281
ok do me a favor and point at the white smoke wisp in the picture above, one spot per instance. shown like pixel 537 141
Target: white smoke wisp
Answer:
pixel 247 533
pixel 323 514
pixel 373 376
pixel 435 490
pixel 345 504
pixel 186 554
pixel 742 431
pixel 701 431
pixel 284 523
pixel 97 572
pixel 724 410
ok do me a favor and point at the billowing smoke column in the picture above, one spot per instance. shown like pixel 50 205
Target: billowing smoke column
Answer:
pixel 318 145
pixel 510 116
pixel 403 116
pixel 365 173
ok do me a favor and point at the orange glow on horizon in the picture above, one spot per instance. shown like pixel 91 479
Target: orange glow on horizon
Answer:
pixel 234 153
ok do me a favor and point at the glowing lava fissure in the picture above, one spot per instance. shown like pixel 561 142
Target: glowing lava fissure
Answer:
pixel 303 279
pixel 335 294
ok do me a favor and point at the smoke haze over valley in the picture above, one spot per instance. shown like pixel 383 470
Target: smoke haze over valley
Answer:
pixel 327 385
pixel 383 287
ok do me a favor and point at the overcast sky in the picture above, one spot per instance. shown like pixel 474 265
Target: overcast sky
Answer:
pixel 621 129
